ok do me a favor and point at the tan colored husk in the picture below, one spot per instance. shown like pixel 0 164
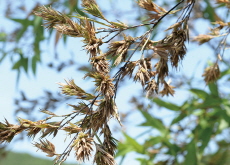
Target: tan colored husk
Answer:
pixel 83 147
pixel 211 73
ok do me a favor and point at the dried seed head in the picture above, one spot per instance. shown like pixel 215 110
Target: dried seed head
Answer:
pixel 51 16
pixel 103 157
pixel 225 2
pixel 81 108
pixel 151 6
pixel 129 68
pixel 72 29
pixel 151 88
pixel 50 128
pixel 142 75
pixel 105 111
pixel 104 84
pixel 9 131
pixel 72 89
pixel 108 109
pixel 168 89
pixel 83 147
pixel 144 72
pixel 47 147
pixel 162 52
pixel 120 49
pixel 202 38
pixel 162 69
pixel 109 143
pixel 90 39
pixel 211 73
pixel 33 128
pixel 91 7
pixel 72 128
pixel 100 64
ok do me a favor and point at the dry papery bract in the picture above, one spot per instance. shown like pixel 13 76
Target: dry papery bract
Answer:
pixel 83 147
pixel 47 147
pixel 151 6
pixel 95 109
pixel 211 73
pixel 224 1
pixel 221 30
pixel 103 157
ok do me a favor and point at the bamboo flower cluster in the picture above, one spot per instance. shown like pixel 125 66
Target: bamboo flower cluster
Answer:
pixel 92 133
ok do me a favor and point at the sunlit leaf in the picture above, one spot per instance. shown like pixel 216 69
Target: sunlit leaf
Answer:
pixel 199 93
pixel 153 122
pixel 213 88
pixel 165 104
pixel 191 157
pixel 134 144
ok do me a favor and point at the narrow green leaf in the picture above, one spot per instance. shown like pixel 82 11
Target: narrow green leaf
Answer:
pixel 180 117
pixel 153 122
pixel 35 60
pixel 24 23
pixel 153 141
pixel 17 65
pixel 191 158
pixel 210 102
pixel 24 64
pixel 205 136
pixel 210 11
pixel 123 149
pixel 37 22
pixel 165 104
pixel 224 73
pixel 135 145
pixel 200 93
pixel 144 161
pixel 3 56
pixel 3 37
pixel 21 32
pixel 213 89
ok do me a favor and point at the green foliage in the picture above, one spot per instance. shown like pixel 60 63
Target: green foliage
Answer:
pixel 195 123
pixel 24 159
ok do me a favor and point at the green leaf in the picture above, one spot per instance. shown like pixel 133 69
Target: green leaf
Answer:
pixel 180 117
pixel 167 105
pixel 144 161
pixel 3 56
pixel 200 93
pixel 210 102
pixel 210 11
pixel 123 149
pixel 213 89
pixel 153 141
pixel 3 37
pixel 24 64
pixel 35 60
pixel 224 73
pixel 129 145
pixel 37 22
pixel 24 23
pixel 134 144
pixel 205 136
pixel 191 158
pixel 153 122
pixel 17 65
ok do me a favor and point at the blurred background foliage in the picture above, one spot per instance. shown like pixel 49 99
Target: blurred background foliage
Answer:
pixel 198 129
